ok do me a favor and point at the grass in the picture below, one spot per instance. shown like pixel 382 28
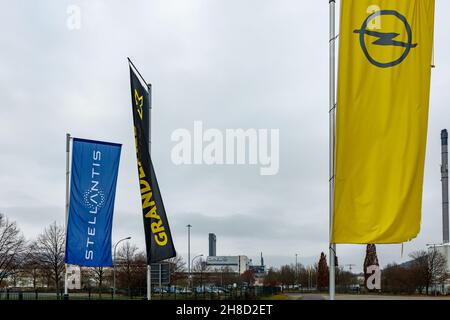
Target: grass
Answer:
pixel 277 297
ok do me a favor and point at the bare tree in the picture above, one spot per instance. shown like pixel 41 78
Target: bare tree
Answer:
pixel 177 268
pixel 31 266
pixel 422 277
pixel 139 270
pixel 287 275
pixel 228 277
pixel 400 279
pixel 308 275
pixel 99 275
pixel 124 263
pixel 131 266
pixel 438 267
pixel 430 268
pixel 272 278
pixel 200 271
pixel 345 279
pixel 50 247
pixel 12 248
pixel 200 266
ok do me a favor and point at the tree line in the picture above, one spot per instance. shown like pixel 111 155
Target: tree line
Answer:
pixel 309 278
pixel 39 263
pixel 426 272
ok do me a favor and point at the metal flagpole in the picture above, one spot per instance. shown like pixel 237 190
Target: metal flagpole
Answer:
pixel 66 291
pixel 149 267
pixel 332 115
pixel 160 278
pixel 149 282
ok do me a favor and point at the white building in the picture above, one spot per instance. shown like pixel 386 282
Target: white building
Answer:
pixel 73 277
pixel 237 264
pixel 444 249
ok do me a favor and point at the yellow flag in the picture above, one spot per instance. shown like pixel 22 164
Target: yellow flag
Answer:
pixel 385 55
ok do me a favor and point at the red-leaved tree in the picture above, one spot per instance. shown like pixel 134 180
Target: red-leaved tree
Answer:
pixel 322 273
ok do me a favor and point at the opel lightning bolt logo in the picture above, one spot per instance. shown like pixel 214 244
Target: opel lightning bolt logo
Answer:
pixel 386 38
pixel 139 101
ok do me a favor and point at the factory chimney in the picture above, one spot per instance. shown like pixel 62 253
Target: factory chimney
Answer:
pixel 212 245
pixel 444 179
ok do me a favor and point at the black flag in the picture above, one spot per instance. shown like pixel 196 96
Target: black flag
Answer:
pixel 158 238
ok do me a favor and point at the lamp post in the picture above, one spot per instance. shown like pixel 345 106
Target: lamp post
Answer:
pixel 114 265
pixel 308 273
pixel 190 277
pixel 189 249
pixel 296 269
pixel 310 284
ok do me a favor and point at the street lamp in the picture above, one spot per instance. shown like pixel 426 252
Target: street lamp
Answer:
pixel 114 265
pixel 310 278
pixel 296 269
pixel 190 276
pixel 189 249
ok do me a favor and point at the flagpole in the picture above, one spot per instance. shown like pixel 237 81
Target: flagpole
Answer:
pixel 149 267
pixel 147 123
pixel 66 291
pixel 332 116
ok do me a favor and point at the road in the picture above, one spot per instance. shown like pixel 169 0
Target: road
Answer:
pixel 305 296
pixel 313 296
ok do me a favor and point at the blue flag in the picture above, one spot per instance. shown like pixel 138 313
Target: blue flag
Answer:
pixel 92 192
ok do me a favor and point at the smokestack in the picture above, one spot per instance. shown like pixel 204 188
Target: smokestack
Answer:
pixel 444 179
pixel 212 245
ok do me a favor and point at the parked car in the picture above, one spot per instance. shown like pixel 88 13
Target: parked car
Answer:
pixel 159 290
pixel 200 290
pixel 175 290
pixel 215 290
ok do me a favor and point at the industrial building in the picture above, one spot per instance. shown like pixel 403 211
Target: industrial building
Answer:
pixel 444 248
pixel 259 272
pixel 236 264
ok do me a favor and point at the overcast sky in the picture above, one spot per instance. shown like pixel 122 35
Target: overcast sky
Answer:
pixel 231 64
